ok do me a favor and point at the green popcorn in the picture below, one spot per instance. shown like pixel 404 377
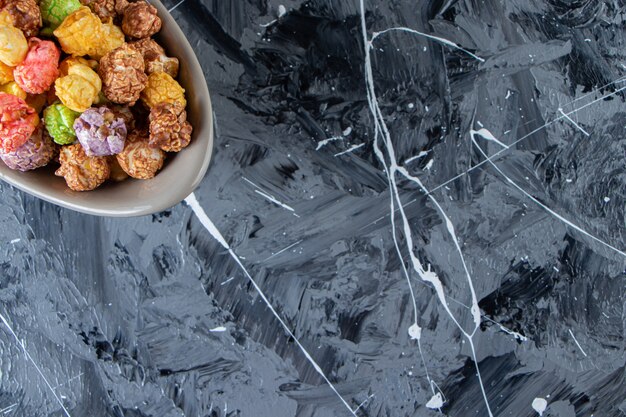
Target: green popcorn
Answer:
pixel 53 12
pixel 59 121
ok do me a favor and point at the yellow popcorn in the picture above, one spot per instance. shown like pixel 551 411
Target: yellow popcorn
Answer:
pixel 6 73
pixel 79 88
pixel 161 87
pixel 81 33
pixel 13 88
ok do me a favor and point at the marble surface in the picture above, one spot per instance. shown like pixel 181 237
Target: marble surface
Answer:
pixel 414 208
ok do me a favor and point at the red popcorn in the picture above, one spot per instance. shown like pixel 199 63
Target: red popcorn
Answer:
pixel 17 122
pixel 40 67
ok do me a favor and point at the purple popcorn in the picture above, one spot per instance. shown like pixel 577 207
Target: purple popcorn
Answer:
pixel 100 131
pixel 36 152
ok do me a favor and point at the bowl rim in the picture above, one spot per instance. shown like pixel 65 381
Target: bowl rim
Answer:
pixel 179 194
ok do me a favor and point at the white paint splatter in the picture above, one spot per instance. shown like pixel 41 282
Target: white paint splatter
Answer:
pixel 573 122
pixel 30 358
pixel 325 142
pixel 268 196
pixel 227 281
pixel 607 199
pixel 431 37
pixel 576 341
pixel 549 210
pixel 418 156
pixel 539 405
pixel 15 240
pixel 210 227
pixel 381 131
pixel 429 165
pixel 347 131
pixel 435 402
pixel 415 331
pixel 531 133
pixel 484 133
pixel 351 149
pixel 508 94
pixel 218 329
pixel 281 11
pixel 176 6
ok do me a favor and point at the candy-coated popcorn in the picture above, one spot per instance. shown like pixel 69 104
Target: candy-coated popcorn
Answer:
pixel 6 74
pixel 140 20
pixel 81 33
pixel 122 73
pixel 124 113
pixel 37 101
pixel 139 159
pixel 40 67
pixel 17 122
pixel 104 9
pixel 79 88
pixel 117 173
pixel 59 121
pixel 36 152
pixel 25 15
pixel 155 58
pixel 161 87
pixel 73 60
pixel 169 128
pixel 15 89
pixel 54 12
pixel 82 172
pixel 13 46
pixel 113 37
pixel 100 132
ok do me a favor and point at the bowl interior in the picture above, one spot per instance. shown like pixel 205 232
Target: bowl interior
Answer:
pixel 180 176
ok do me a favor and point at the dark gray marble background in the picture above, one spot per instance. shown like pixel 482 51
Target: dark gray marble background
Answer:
pixel 152 316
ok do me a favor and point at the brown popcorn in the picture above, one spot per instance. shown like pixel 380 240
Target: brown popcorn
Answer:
pixel 82 172
pixel 120 6
pixel 169 128
pixel 125 114
pixel 147 45
pixel 155 58
pixel 140 20
pixel 105 9
pixel 164 64
pixel 25 15
pixel 117 173
pixel 139 159
pixel 122 74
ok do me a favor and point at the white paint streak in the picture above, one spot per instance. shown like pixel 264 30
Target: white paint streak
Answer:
pixel 210 227
pixel 549 210
pixel 526 136
pixel 540 405
pixel 431 37
pixel 576 341
pixel 426 274
pixel 485 134
pixel 227 281
pixel 418 156
pixel 573 122
pixel 270 197
pixel 429 165
pixel 325 142
pixel 283 250
pixel 218 329
pixel 281 11
pixel 30 358
pixel 351 149
pixel 275 201
pixel 15 241
pixel 177 4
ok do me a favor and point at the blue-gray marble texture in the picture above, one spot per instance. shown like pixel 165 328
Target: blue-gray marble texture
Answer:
pixel 408 192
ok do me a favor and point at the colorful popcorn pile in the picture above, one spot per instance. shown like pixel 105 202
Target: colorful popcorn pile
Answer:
pixel 107 94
